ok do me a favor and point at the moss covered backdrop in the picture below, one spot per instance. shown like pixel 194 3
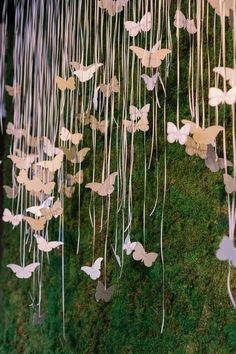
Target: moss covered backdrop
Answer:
pixel 199 316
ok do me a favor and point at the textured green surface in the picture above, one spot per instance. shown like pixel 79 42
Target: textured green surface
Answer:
pixel 199 317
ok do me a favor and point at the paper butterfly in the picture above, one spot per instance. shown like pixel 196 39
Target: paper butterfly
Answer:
pixel 36 209
pixel 23 272
pixel 85 73
pixel 13 219
pixel 143 26
pixel 150 81
pixel 73 179
pixel 139 113
pixel 45 246
pixel 34 184
pixel 227 73
pixel 102 293
pixel 95 270
pixel 111 6
pixel 227 251
pixel 217 96
pixel 54 164
pixel 230 183
pixel 17 133
pixel 105 188
pixel 141 125
pixel 22 163
pixel 213 162
pixel 152 58
pixel 101 125
pixel 66 135
pixel 55 211
pixel 112 87
pixel 177 135
pixel 129 246
pixel 140 254
pixel 48 148
pixel 203 136
pixel 222 7
pixel 75 156
pixel 10 192
pixel 182 22
pixel 64 84
pixel 192 148
pixel 35 224
pixel 68 191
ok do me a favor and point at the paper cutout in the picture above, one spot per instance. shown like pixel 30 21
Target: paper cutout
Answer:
pixel 65 135
pixel 140 254
pixel 222 6
pixel 95 270
pixel 17 133
pixel 203 136
pixel 84 118
pixel 13 90
pixel 95 97
pixel 10 192
pixel 217 96
pixel 64 84
pixel 227 73
pixel 48 148
pixel 35 224
pixel 144 25
pixel 68 191
pixel 230 183
pixel 213 162
pixel 24 272
pixel 177 135
pixel 85 73
pixel 112 87
pixel 227 251
pixel 105 188
pixel 192 148
pixel 139 113
pixel 73 179
pixel 112 7
pixel 35 184
pixel 54 164
pixel 182 22
pixel 129 246
pixel 152 58
pixel 75 156
pixel 150 82
pixel 98 125
pixel 132 126
pixel 117 257
pixel 55 211
pixel 36 209
pixel 45 246
pixel 13 219
pixel 104 294
pixel 22 163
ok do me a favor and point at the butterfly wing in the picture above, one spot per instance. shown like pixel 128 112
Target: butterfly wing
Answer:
pixel 146 22
pixel 155 59
pixel 100 290
pixel 207 136
pixel 183 134
pixel 93 273
pixel 149 258
pixel 30 268
pixel 139 252
pixel 191 146
pixel 54 244
pixel 48 148
pixel 215 96
pixel 108 293
pixel 61 83
pixel 143 125
pixel 18 270
pixel 70 83
pixel 54 164
pixel 226 250
pixel 132 27
pixel 94 186
pixel 190 27
pixel 80 155
pixel 172 132
pixel 230 97
pixel 180 19
pixel 222 7
pixel 10 192
pixel 227 73
pixel 230 184
pixel 35 224
pixel 108 185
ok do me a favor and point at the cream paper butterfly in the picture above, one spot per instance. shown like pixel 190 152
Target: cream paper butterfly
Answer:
pixel 64 84
pixel 85 73
pixel 66 135
pixel 140 254
pixel 105 188
pixel 227 73
pixel 217 96
pixel 182 22
pixel 152 58
pixel 112 7
pixel 23 272
pixel 144 25
pixel 177 135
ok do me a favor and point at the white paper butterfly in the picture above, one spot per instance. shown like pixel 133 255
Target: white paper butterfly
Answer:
pixel 129 246
pixel 85 73
pixel 143 26
pixel 45 246
pixel 48 148
pixel 36 209
pixel 13 219
pixel 217 96
pixel 182 22
pixel 95 270
pixel 139 113
pixel 23 272
pixel 177 135
pixel 150 81
pixel 227 251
